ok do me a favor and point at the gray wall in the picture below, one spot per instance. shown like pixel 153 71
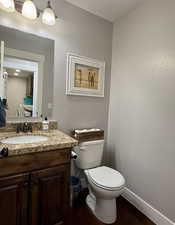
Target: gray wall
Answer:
pixel 87 35
pixel 34 44
pixel 142 103
pixel 80 32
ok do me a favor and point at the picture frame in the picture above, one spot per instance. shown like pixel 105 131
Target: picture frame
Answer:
pixel 85 76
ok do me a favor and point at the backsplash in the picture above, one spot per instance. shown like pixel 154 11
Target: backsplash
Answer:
pixel 11 126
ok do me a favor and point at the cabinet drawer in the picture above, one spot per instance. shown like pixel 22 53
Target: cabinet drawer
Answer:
pixel 29 162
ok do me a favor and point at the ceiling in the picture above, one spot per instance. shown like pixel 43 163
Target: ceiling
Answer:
pixel 108 9
pixel 22 73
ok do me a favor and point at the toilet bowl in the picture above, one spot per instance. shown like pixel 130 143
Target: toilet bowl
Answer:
pixel 105 185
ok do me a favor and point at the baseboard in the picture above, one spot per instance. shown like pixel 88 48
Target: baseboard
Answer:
pixel 153 214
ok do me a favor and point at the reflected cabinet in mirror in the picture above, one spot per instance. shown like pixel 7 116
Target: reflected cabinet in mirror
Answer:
pixel 27 63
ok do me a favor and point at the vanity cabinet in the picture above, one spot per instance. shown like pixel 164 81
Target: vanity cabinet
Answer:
pixel 49 196
pixel 14 199
pixel 38 193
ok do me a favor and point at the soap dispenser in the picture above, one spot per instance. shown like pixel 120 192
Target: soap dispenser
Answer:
pixel 45 124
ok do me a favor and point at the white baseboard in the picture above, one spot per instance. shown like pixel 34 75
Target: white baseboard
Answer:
pixel 153 214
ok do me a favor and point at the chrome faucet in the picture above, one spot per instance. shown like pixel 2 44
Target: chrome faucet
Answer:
pixel 25 127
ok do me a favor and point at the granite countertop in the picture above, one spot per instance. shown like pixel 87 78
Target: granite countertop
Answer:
pixel 56 140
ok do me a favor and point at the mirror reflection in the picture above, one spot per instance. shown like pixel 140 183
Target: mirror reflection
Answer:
pixel 27 63
pixel 20 103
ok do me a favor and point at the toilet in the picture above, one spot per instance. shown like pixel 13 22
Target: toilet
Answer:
pixel 105 184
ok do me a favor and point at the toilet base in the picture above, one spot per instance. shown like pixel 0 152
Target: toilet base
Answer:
pixel 91 202
pixel 104 210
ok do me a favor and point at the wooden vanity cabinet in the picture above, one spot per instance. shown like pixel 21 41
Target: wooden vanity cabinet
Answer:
pixel 14 200
pixel 49 195
pixel 38 194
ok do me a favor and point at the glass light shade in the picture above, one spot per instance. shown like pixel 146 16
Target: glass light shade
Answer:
pixel 48 16
pixel 7 5
pixel 29 10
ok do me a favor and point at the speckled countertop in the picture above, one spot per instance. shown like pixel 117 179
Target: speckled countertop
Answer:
pixel 56 140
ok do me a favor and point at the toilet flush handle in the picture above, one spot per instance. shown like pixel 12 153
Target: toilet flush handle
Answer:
pixel 73 155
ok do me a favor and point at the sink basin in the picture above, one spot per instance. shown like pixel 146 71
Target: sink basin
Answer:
pixel 26 139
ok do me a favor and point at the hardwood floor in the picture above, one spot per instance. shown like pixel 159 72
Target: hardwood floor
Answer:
pixel 127 214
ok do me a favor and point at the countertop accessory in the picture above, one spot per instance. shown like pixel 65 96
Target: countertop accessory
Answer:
pixel 45 124
pixel 88 134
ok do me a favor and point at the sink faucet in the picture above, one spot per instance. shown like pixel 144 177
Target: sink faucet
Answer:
pixel 25 127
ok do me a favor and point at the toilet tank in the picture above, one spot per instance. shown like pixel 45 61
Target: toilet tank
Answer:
pixel 89 154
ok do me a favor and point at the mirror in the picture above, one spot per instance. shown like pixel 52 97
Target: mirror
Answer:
pixel 21 80
pixel 27 73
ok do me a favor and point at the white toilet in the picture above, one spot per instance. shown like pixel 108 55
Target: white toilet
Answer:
pixel 105 184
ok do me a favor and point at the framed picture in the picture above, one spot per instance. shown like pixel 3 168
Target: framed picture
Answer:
pixel 85 76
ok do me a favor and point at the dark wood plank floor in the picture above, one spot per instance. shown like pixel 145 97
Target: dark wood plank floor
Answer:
pixel 127 214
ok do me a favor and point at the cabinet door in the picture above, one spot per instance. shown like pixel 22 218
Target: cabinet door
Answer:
pixel 49 195
pixel 14 200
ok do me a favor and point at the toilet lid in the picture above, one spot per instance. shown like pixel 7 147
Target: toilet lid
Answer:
pixel 106 177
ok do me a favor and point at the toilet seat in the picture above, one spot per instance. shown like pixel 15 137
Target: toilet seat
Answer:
pixel 106 178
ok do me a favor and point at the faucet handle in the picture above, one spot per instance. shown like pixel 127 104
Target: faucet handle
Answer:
pixel 30 128
pixel 25 127
pixel 18 128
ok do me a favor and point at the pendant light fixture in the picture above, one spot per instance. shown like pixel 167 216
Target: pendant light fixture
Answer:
pixel 7 5
pixel 48 16
pixel 29 10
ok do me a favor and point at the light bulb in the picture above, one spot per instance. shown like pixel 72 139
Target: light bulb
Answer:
pixel 7 5
pixel 29 10
pixel 48 16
